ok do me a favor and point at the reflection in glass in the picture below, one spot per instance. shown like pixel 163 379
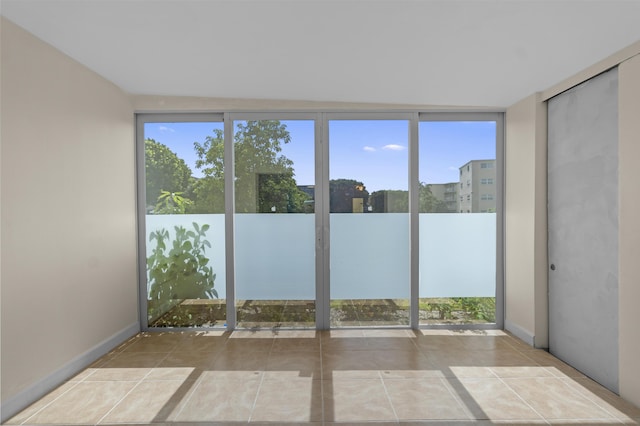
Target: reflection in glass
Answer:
pixel 457 173
pixel 274 249
pixel 368 171
pixel 184 225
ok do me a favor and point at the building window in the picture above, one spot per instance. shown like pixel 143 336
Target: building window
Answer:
pixel 486 165
pixel 469 197
pixel 486 181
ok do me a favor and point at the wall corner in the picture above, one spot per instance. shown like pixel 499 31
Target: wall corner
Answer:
pixel 525 220
pixel 629 229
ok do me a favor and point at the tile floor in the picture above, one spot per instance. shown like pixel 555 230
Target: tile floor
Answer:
pixel 348 377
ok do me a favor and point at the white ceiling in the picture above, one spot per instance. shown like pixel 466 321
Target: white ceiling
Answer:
pixel 430 52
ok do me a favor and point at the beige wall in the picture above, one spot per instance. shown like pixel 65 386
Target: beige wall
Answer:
pixel 69 273
pixel 68 210
pixel 525 216
pixel 525 221
pixel 629 223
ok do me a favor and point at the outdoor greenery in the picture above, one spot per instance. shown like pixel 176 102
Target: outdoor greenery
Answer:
pixel 179 270
pixel 172 203
pixel 164 170
pixel 192 313
pixel 397 201
pixel 349 312
pixel 264 179
pixel 428 203
pixel 456 309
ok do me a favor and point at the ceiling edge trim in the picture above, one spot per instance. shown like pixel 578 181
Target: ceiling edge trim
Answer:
pixel 158 103
pixel 595 69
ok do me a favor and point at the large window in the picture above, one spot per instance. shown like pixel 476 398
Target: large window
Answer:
pixel 369 219
pixel 274 223
pixel 183 217
pixel 319 220
pixel 458 220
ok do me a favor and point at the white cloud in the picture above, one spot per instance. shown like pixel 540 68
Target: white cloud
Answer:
pixel 166 129
pixel 454 169
pixel 369 149
pixel 393 147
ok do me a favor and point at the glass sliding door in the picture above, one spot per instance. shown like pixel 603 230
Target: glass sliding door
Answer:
pixel 369 222
pixel 317 231
pixel 184 223
pixel 458 193
pixel 274 227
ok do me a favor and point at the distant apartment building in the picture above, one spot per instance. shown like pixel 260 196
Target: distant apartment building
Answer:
pixel 447 192
pixel 477 187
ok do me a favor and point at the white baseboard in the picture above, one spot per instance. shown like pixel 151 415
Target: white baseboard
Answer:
pixel 520 332
pixel 37 390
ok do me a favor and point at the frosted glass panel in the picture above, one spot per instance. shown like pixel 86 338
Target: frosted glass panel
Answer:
pixel 369 222
pixel 274 223
pixel 375 264
pixel 458 194
pixel 457 255
pixel 214 235
pixel 277 260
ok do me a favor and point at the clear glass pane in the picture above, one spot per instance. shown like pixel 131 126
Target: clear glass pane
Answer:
pixel 275 251
pixel 185 224
pixel 369 219
pixel 457 176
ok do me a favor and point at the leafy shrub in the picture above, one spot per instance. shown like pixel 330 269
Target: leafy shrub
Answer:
pixel 479 308
pixel 182 272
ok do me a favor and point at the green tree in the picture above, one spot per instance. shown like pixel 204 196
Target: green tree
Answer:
pixel 264 178
pixel 389 201
pixel 428 202
pixel 165 171
pixel 172 203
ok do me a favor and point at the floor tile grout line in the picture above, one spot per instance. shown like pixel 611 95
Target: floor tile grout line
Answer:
pixel 130 390
pixel 522 399
pixel 196 384
pixel 255 400
pixel 84 379
pixel 48 404
pixel 565 379
pixel 574 392
pixel 386 392
pixel 120 400
pixel 321 337
pixel 262 376
pixel 445 381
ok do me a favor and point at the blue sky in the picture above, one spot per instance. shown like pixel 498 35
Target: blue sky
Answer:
pixel 374 152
